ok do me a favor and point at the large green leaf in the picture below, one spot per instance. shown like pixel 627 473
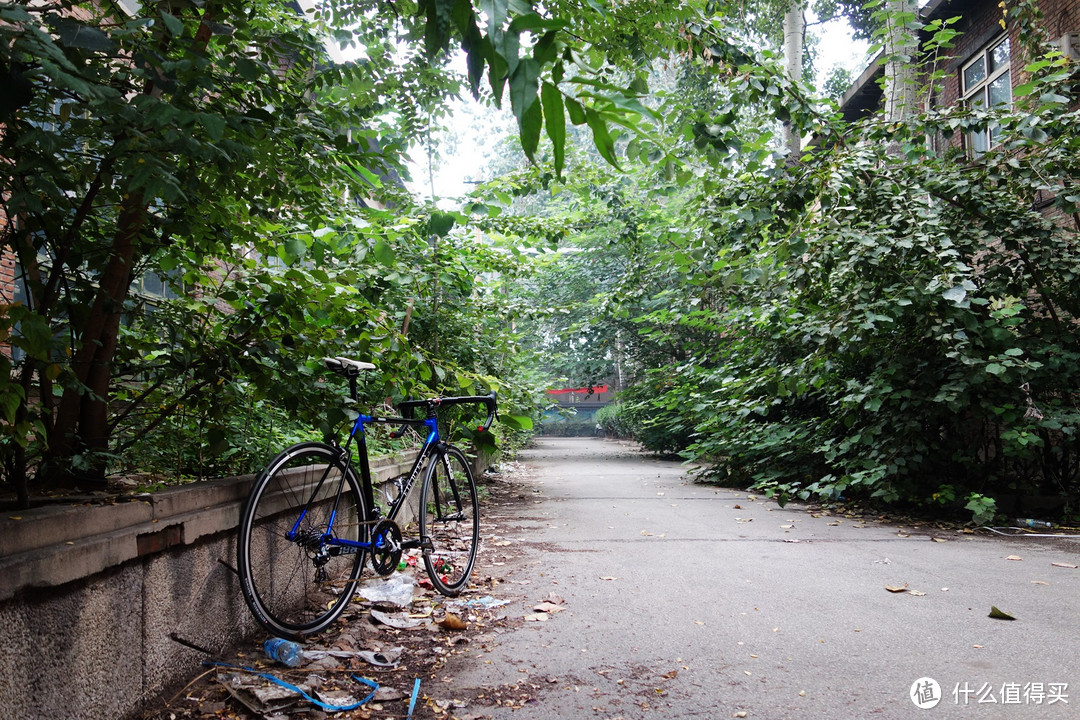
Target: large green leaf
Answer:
pixel 605 144
pixel 523 86
pixel 530 126
pixel 172 23
pixel 384 253
pixel 554 123
pixel 576 111
pixel 517 422
pixel 496 13
pixel 440 223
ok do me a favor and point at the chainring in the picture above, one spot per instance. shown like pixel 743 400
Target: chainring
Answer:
pixel 385 547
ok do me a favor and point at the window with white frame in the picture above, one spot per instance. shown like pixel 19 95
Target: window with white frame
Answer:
pixel 986 81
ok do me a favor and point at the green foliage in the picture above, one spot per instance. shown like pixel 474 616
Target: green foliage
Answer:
pixel 569 428
pixel 983 509
pixel 883 318
pixel 885 323
pixel 218 149
pixel 615 421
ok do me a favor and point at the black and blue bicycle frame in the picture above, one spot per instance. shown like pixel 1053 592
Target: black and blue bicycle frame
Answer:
pixel 357 433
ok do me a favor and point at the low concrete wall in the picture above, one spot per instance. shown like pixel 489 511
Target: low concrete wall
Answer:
pixel 92 597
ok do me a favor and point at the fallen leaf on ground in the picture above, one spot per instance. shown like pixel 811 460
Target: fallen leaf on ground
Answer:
pixel 1013 557
pixel 917 593
pixel 999 615
pixel 608 577
pixel 548 607
pixel 452 622
pixel 1063 565
pixel 896 588
pixel 670 675
pixel 1039 582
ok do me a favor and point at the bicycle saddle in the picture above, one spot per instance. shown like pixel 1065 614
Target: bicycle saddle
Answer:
pixel 346 366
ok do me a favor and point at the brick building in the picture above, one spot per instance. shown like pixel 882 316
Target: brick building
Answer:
pixel 984 65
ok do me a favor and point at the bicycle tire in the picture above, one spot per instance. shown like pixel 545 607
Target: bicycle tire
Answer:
pixel 296 588
pixel 449 521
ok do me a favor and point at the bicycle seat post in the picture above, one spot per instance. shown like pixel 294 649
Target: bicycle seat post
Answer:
pixel 352 386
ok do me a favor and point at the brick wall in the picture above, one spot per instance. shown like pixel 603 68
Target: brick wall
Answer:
pixel 980 26
pixel 7 275
pixel 980 23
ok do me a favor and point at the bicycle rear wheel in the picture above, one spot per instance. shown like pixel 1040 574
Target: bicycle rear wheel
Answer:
pixel 294 581
pixel 449 521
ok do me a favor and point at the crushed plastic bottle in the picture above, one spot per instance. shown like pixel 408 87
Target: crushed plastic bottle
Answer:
pixel 1028 522
pixel 284 651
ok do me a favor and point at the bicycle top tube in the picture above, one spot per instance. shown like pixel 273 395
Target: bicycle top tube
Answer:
pixel 432 424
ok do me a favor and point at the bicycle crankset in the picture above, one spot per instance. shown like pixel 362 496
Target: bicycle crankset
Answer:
pixel 385 547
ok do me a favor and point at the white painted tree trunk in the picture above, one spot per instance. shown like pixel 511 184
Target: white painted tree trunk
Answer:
pixel 901 47
pixel 794 36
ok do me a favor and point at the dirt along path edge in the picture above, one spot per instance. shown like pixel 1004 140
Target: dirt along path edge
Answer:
pixel 609 585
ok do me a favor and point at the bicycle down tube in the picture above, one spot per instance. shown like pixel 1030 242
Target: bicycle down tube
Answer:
pixel 366 484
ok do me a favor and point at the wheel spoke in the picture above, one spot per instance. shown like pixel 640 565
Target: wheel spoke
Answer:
pixel 297 587
pixel 449 522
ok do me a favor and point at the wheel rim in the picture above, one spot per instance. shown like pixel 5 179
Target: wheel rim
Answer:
pixel 450 528
pixel 298 586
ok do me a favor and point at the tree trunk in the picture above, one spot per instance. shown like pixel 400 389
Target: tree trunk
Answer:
pixel 81 419
pixel 794 37
pixel 901 47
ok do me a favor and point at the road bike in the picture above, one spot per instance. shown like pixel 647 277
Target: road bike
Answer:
pixel 310 521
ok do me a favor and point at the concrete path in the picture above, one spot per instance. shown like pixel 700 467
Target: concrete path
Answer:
pixel 687 601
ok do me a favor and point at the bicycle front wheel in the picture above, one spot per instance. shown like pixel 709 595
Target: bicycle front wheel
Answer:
pixel 449 521
pixel 295 577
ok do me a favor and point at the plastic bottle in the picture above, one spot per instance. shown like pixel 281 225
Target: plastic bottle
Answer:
pixel 1028 522
pixel 284 651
